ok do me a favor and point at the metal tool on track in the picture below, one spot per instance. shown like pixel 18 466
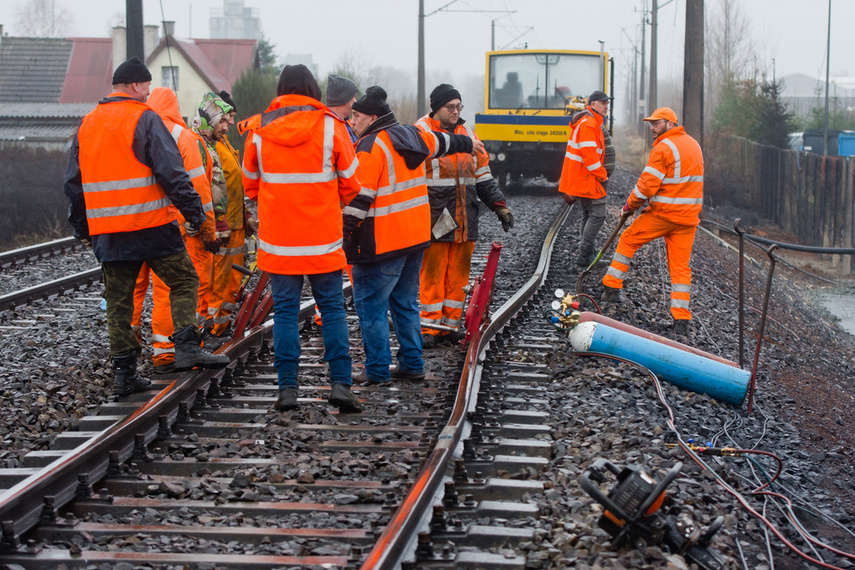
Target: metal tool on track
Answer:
pixel 581 280
pixel 633 514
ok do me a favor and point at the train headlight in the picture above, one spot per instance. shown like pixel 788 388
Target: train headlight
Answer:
pixel 501 156
pixel 492 157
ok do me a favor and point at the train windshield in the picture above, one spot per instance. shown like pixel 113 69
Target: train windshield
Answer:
pixel 542 80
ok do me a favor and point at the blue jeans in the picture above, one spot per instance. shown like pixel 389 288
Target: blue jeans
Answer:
pixel 390 286
pixel 326 287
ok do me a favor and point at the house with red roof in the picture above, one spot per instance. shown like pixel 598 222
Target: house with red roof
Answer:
pixel 67 77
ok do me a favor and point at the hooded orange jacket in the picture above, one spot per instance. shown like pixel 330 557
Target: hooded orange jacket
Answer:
pixel 300 165
pixel 197 160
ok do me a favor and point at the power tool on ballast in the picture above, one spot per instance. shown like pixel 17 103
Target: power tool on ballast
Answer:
pixel 632 514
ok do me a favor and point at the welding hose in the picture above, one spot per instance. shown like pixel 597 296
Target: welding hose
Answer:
pixel 696 458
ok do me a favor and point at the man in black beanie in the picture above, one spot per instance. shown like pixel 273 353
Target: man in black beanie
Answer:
pixel 455 184
pixel 386 229
pixel 124 175
pixel 300 165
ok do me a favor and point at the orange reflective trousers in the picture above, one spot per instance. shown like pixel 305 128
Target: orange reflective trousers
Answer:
pixel 444 274
pixel 161 313
pixel 225 284
pixel 678 246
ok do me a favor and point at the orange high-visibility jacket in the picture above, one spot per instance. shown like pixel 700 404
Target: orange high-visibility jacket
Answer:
pixel 197 160
pixel 583 171
pixel 120 192
pixel 673 180
pixel 230 161
pixel 392 211
pixel 300 165
pixel 456 182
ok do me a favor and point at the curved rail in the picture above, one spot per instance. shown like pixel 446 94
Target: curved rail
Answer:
pixel 35 251
pixel 391 547
pixel 49 289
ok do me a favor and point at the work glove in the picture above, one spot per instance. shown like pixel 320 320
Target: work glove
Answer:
pixel 250 224
pixel 191 230
pixel 506 217
pixel 212 246
pixel 223 230
pixel 86 241
pixel 626 209
pixel 569 199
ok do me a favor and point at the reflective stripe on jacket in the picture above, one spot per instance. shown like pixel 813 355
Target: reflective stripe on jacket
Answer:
pixel 197 159
pixel 120 192
pixel 583 171
pixel 300 165
pixel 456 182
pixel 673 180
pixel 392 208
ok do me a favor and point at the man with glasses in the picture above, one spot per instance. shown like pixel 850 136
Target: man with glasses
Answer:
pixel 584 175
pixel 672 184
pixel 455 184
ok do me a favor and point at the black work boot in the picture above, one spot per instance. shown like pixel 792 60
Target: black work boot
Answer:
pixel 287 400
pixel 189 353
pixel 342 398
pixel 584 259
pixel 125 378
pixel 611 295
pixel 681 328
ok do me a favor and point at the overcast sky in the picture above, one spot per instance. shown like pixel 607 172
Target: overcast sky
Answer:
pixel 384 32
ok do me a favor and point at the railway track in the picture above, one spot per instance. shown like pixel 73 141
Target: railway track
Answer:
pixel 200 449
pixel 475 467
pixel 25 269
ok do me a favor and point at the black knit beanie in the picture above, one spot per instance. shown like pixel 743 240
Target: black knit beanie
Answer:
pixel 598 96
pixel 373 102
pixel 226 96
pixel 131 71
pixel 442 94
pixel 298 80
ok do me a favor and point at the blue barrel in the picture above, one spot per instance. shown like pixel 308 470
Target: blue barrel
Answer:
pixel 683 369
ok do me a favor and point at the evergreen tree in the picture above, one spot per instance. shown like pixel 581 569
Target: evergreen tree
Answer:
pixel 754 110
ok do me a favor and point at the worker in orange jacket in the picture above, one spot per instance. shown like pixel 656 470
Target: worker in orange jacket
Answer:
pixel 300 165
pixel 455 184
pixel 584 176
pixel 197 162
pixel 386 230
pixel 225 281
pixel 673 186
pixel 124 181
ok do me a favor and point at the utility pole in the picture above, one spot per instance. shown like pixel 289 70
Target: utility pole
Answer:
pixel 641 99
pixel 827 82
pixel 135 43
pixel 693 71
pixel 420 96
pixel 651 90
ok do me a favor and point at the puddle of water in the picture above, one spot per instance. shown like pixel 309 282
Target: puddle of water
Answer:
pixel 840 303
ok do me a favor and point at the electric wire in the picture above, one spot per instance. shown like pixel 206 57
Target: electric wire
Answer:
pixel 168 51
pixel 671 421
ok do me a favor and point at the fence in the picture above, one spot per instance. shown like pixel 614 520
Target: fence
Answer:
pixel 806 194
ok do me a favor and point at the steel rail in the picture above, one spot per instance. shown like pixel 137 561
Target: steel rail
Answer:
pixel 14 256
pixel 21 505
pixel 389 550
pixel 49 289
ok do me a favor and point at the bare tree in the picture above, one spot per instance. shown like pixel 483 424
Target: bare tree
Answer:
pixel 730 50
pixel 42 19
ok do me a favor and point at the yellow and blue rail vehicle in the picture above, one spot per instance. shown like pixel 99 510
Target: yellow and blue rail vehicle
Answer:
pixel 529 97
